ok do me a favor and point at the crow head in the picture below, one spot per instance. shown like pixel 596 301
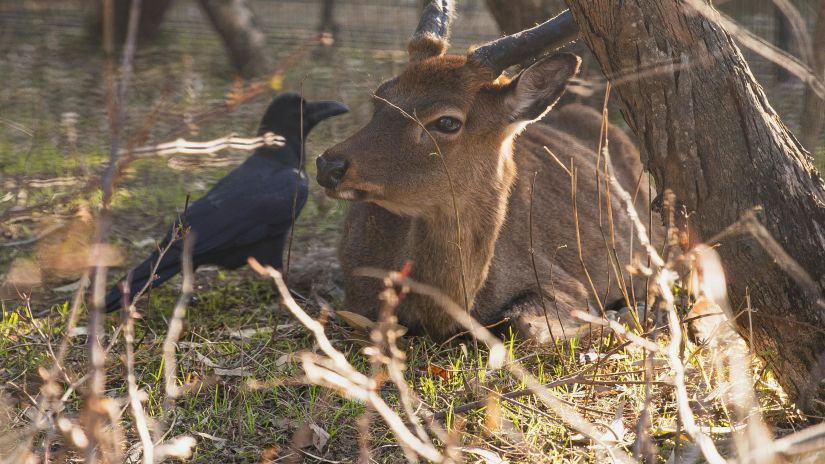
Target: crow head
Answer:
pixel 285 113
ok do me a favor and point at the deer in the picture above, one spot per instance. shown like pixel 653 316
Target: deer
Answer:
pixel 455 174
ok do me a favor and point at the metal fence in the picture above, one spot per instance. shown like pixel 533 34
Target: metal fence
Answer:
pixel 371 42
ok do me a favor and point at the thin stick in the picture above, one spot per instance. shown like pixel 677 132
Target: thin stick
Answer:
pixel 297 183
pixel 497 352
pixel 176 325
pixel 138 413
pixel 709 450
pixel 536 273
pixel 455 206
pixel 573 185
pixel 339 372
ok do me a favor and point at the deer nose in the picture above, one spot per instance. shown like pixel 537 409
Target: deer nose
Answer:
pixel 330 172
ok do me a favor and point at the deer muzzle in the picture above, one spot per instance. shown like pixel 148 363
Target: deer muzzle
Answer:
pixel 330 172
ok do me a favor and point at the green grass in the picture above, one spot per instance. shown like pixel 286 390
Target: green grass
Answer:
pixel 260 412
pixel 263 409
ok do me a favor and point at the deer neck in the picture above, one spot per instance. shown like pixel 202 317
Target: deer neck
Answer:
pixel 454 261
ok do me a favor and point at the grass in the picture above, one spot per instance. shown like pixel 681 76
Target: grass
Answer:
pixel 239 418
pixel 245 395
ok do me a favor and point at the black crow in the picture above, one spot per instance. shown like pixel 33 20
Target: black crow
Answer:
pixel 250 211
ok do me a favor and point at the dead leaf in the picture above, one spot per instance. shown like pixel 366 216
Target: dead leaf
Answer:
pixel 219 442
pixel 246 334
pixel 176 448
pixel 487 456
pixel 284 359
pixel 206 361
pixel 236 372
pixel 319 437
pixel 356 321
pixel 433 370
pixel 616 430
pixel 79 331
pixel 590 357
pixel 68 287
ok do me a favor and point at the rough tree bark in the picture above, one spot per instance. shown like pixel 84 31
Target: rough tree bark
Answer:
pixel 234 21
pixel 813 110
pixel 710 135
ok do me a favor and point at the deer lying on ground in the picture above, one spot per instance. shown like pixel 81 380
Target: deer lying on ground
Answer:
pixel 447 141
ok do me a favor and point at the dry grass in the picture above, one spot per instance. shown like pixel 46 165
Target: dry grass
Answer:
pixel 240 374
pixel 244 395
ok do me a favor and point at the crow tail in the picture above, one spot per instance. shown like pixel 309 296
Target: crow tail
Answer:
pixel 169 267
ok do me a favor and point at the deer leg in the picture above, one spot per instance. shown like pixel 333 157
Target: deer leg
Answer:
pixel 542 318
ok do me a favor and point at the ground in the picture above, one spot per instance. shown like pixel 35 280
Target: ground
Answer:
pixel 245 394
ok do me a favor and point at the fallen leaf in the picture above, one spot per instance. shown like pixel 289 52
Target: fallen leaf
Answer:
pixel 434 370
pixel 67 288
pixel 206 361
pixel 219 442
pixel 319 437
pixel 616 430
pixel 236 372
pixel 246 334
pixel 285 359
pixel 80 331
pixel 489 457
pixel 177 447
pixel 356 321
pixel 590 356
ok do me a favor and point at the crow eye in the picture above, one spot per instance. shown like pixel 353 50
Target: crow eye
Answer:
pixel 446 124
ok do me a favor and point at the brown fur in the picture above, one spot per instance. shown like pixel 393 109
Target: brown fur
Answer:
pixel 406 212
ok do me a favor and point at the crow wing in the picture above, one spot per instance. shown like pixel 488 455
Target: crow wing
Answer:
pixel 251 204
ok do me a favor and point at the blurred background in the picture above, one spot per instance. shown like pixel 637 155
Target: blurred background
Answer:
pixel 189 82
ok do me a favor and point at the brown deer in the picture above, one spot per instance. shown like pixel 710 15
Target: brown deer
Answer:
pixel 447 142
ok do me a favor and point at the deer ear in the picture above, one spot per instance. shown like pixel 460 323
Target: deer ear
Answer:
pixel 536 89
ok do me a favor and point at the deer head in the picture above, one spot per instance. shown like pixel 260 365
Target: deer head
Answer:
pixel 449 115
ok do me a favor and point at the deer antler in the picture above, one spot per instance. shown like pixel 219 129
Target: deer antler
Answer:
pixel 502 53
pixel 432 35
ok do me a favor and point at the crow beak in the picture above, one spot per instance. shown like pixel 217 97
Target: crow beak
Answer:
pixel 320 110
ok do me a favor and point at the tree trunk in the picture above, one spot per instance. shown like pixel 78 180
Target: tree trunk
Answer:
pixel 327 24
pixel 151 17
pixel 516 15
pixel 813 110
pixel 513 16
pixel 234 21
pixel 783 41
pixel 709 134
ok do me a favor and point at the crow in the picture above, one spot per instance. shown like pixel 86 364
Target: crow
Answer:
pixel 250 211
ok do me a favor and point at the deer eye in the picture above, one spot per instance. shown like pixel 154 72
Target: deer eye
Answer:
pixel 446 124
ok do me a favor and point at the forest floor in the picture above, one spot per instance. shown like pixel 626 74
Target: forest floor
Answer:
pixel 245 394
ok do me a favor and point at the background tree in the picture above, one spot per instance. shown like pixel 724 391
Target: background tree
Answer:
pixel 513 16
pixel 709 134
pixel 327 23
pixel 151 17
pixel 813 109
pixel 516 15
pixel 234 21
